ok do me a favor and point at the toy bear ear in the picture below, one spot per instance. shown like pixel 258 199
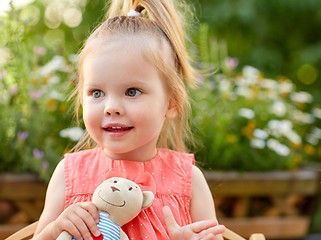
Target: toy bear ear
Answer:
pixel 148 199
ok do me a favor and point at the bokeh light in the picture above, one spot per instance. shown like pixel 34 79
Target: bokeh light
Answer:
pixel 72 17
pixel 307 74
pixel 53 16
pixel 31 15
pixel 4 56
pixel 53 36
pixel 5 5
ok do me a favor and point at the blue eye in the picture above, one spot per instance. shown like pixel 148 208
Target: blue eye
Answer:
pixel 97 94
pixel 133 92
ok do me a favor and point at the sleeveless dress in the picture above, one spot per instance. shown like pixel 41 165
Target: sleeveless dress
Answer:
pixel 168 175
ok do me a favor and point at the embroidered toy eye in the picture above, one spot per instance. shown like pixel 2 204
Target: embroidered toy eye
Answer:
pixel 115 181
pixel 130 189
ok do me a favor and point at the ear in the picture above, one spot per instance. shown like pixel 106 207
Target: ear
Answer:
pixel 148 198
pixel 171 110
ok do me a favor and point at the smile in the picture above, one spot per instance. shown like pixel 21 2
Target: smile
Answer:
pixel 115 205
pixel 117 129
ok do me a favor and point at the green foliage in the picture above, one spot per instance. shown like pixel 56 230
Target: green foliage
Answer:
pixel 248 122
pixel 279 37
pixel 33 92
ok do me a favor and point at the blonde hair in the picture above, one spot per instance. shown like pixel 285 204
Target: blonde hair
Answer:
pixel 163 25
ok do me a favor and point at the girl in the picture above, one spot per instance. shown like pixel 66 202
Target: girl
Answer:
pixel 132 76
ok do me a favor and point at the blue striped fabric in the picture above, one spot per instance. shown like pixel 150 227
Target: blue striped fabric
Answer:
pixel 109 229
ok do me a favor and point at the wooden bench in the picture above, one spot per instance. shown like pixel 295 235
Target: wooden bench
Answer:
pixel 27 233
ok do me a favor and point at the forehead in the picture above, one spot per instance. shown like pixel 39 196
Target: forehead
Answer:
pixel 120 64
pixel 116 62
pixel 142 45
pixel 139 54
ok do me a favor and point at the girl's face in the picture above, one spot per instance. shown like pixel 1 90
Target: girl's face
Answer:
pixel 125 102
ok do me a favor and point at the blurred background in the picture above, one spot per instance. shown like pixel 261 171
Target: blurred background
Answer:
pixel 280 38
pixel 259 111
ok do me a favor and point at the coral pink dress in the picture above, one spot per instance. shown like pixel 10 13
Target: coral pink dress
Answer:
pixel 168 175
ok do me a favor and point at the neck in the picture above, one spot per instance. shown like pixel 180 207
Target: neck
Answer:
pixel 137 155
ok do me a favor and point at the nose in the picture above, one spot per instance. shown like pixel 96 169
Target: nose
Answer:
pixel 114 189
pixel 113 107
pixel 112 112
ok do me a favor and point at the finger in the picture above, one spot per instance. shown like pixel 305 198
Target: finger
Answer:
pixel 203 225
pixel 77 219
pixel 92 226
pixel 219 229
pixel 65 222
pixel 208 237
pixel 92 209
pixel 88 223
pixel 169 219
pixel 92 219
pixel 69 227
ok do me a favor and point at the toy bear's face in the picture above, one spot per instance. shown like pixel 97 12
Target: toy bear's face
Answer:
pixel 121 198
pixel 116 192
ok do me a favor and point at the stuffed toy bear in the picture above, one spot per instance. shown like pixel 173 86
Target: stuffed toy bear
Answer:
pixel 118 200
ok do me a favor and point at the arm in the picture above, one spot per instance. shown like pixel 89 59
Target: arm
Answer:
pixel 75 219
pixel 205 225
pixel 54 205
pixel 202 204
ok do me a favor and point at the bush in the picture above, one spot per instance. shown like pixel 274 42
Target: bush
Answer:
pixel 248 122
pixel 277 37
pixel 33 92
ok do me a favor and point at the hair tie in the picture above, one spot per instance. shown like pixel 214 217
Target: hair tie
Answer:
pixel 133 13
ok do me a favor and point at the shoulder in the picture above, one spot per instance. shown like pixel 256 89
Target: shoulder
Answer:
pixel 58 174
pixel 177 163
pixel 198 178
pixel 79 160
pixel 84 154
pixel 57 181
pixel 176 157
pixel 83 172
pixel 177 167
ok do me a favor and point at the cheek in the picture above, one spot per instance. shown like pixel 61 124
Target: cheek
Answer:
pixel 151 118
pixel 90 114
pixel 152 111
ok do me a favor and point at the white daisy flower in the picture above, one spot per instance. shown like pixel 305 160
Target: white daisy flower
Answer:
pixel 257 143
pixel 247 113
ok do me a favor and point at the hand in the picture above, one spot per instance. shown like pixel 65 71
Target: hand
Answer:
pixel 79 220
pixel 205 230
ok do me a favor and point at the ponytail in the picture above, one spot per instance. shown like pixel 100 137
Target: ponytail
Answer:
pixel 169 19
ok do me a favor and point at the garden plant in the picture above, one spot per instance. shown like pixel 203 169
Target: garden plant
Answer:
pixel 244 118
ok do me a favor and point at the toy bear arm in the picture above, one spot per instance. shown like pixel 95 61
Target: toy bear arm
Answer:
pixel 123 235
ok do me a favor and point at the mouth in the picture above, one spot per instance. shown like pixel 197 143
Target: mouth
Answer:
pixel 117 129
pixel 113 204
